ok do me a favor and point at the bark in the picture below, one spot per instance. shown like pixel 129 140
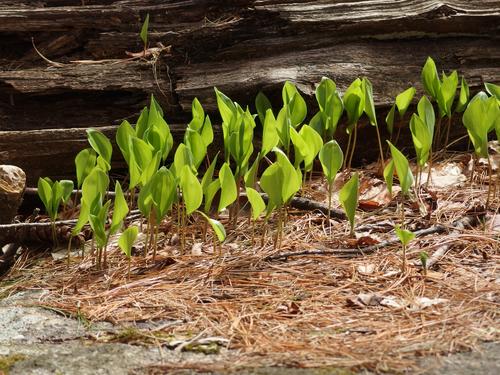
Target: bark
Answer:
pixel 240 46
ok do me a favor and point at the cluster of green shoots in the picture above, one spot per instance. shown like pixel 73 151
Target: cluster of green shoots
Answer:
pixel 166 182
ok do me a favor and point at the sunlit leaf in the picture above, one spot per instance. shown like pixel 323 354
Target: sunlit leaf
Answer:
pixel 256 202
pixel 404 235
pixel 120 209
pixel 228 192
pixel 403 170
pixel 85 161
pixel 192 193
pixel 127 239
pixel 331 158
pixel 403 100
pixel 217 227
pixel 348 197
pixel 144 30
pixel 262 104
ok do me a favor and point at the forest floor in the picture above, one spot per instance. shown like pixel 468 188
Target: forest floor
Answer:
pixel 321 302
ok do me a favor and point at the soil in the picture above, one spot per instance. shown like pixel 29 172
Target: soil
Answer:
pixel 37 340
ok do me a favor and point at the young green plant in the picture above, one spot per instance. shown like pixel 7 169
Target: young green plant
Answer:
pixel 405 236
pixel 348 197
pixel 331 158
pixel 126 241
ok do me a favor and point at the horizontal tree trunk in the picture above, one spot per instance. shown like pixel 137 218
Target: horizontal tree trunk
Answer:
pixel 241 47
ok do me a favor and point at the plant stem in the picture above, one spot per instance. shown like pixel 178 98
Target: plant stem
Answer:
pixel 264 233
pixel 54 233
pixel 403 226
pixel 400 123
pixel 438 134
pixel 156 229
pixel 128 268
pixel 448 127
pixel 430 169
pixel 69 249
pixel 379 139
pixel 347 150
pixel 330 185
pixel 353 147
pixel 253 233
pixel 490 172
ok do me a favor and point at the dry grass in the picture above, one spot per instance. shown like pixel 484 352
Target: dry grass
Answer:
pixel 302 311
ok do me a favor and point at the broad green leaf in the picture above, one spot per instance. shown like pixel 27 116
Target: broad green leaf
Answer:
pixel 480 117
pixel 150 169
pixel 354 101
pixel 491 88
pixel 142 123
pixel 226 106
pixel 145 199
pixel 430 78
pixel 198 115
pixel 209 174
pixel 369 103
pixel 404 235
pixel 83 218
pixel 143 152
pixel 97 222
pixel 67 189
pixel 192 193
pixel 101 144
pixel 348 197
pixel 463 98
pixel 250 177
pixel 217 227
pixel 262 104
pixel 207 132
pixel 120 209
pixel 209 194
pixel 182 157
pixel 123 135
pixel 270 136
pixel 163 191
pixel 330 105
pixel 295 102
pixel 314 142
pixel 446 94
pixel 144 30
pixel 389 119
pixel 300 146
pixel 422 140
pixel 228 187
pixel 127 239
pixel 324 93
pixel 317 124
pixel 331 158
pixel 95 185
pixel 256 201
pixel 85 161
pixel 389 175
pixel 403 170
pixel 195 142
pixel 45 194
pixel 403 100
pixel 426 114
pixel 271 182
pixel 57 196
pixel 292 178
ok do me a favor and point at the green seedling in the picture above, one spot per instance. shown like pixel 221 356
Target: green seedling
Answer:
pixel 52 195
pixel 405 236
pixel 262 104
pixel 331 158
pixel 403 101
pixel 217 227
pixel 422 140
pixel 102 146
pixel 348 197
pixel 423 260
pixel 280 181
pixel 331 108
pixel 144 32
pixel 126 242
pixel 192 196
pixel 493 90
pixel 370 112
pixel 85 161
pixel 307 144
pixel 481 117
pixel 199 133
pixel 354 105
pixel 258 206
pixel 228 188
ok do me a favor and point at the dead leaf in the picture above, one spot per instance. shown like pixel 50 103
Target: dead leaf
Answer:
pixel 373 194
pixel 366 269
pixel 423 302
pixel 444 175
pixel 197 248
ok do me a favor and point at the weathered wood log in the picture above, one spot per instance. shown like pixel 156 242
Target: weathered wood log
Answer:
pixel 240 46
pixel 12 185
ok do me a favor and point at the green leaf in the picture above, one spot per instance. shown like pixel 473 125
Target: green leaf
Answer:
pixel 142 123
pixel 262 104
pixel 209 174
pixel 369 103
pixel 430 78
pixel 67 189
pixel 144 31
pixel 85 161
pixel 226 106
pixel 330 105
pixel 217 227
pixel 480 118
pixel 127 239
pixel 120 209
pixel 250 177
pixel 314 142
pixel 163 191
pixel 256 201
pixel 45 193
pixel 145 199
pixel 348 197
pixel 491 88
pixel 403 100
pixel 195 142
pixel 331 158
pixel 402 169
pixel 292 178
pixel 422 140
pixel 182 157
pixel 209 194
pixel 123 135
pixel 228 187
pixel 142 153
pixel 57 196
pixel 271 182
pixel 192 193
pixel 389 119
pixel 426 114
pixel 150 169
pixel 446 94
pixel 98 222
pixel 405 236
pixel 354 101
pixel 389 175
pixel 101 144
pixel 463 98
pixel 300 146
pixel 295 102
pixel 95 185
pixel 270 136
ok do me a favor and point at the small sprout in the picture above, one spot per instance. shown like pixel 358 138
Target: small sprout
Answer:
pixel 423 260
pixel 144 32
pixel 389 119
pixel 405 236
pixel 403 170
pixel 217 227
pixel 85 161
pixel 330 105
pixel 262 104
pixel 348 197
pixel 403 100
pixel 258 206
pixel 102 145
pixel 331 158
pixel 126 241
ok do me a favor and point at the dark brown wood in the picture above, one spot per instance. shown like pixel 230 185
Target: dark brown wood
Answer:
pixel 239 46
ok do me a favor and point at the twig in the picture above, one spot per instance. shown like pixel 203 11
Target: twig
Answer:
pixel 351 253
